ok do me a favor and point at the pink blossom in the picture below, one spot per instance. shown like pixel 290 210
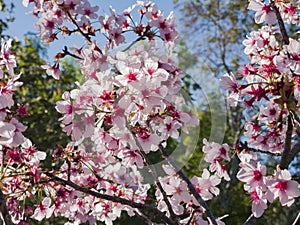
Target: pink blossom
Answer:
pixel 44 210
pixel 176 188
pixel 170 128
pixel 65 107
pixel 264 13
pixel 206 185
pixel 252 175
pixel 7 132
pixel 18 137
pixel 53 71
pixel 22 110
pixel 74 129
pixel 148 141
pixel 88 11
pixel 229 82
pixel 7 58
pixel 269 113
pixel 6 97
pixel 130 157
pixel 293 50
pixel 259 202
pixel 283 187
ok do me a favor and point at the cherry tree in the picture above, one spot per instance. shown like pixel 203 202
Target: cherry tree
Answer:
pixel 129 103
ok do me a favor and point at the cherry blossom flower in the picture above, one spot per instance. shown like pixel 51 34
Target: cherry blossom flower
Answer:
pixel 131 157
pixel 206 185
pixel 44 210
pixel 259 202
pixel 129 105
pixel 52 70
pixel 215 153
pixel 252 175
pixel 229 82
pixel 22 110
pixel 264 13
pixel 66 108
pixel 7 131
pixel 284 188
pixel 6 57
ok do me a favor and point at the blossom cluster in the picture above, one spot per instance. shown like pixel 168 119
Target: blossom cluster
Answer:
pixel 128 105
pixel 19 160
pixel 269 90
pixel 263 188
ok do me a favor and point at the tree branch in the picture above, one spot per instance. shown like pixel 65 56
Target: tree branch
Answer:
pixel 67 52
pixel 153 171
pixel 283 31
pixel 143 207
pixel 5 216
pixel 294 151
pixel 85 35
pixel 244 145
pixel 191 187
pixel 284 162
pixel 295 117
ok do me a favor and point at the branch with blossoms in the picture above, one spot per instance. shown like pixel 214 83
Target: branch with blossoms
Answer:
pixel 128 106
pixel 142 207
pixel 114 97
pixel 270 84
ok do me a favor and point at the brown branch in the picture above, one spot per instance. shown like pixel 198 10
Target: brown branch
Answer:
pixel 244 145
pixel 133 43
pixel 67 52
pixel 85 35
pixel 191 187
pixel 153 171
pixel 155 213
pixel 294 151
pixel 284 162
pixel 283 31
pixel 4 214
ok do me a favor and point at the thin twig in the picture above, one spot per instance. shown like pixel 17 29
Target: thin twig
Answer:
pixel 191 218
pixel 251 220
pixel 295 117
pixel 85 35
pixel 67 52
pixel 244 146
pixel 133 43
pixel 297 220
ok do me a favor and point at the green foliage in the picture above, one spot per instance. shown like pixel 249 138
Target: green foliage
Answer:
pixel 6 17
pixel 40 92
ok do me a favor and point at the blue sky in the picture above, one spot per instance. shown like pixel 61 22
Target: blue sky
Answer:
pixel 25 22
